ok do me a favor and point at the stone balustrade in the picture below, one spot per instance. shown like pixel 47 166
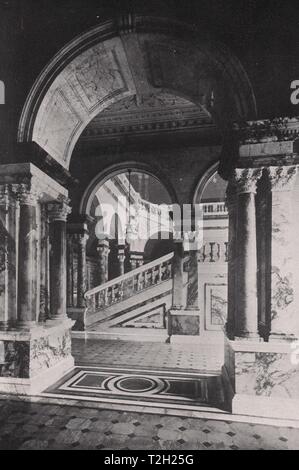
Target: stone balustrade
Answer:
pixel 134 282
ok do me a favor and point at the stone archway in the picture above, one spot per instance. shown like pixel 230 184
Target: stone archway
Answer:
pixel 111 62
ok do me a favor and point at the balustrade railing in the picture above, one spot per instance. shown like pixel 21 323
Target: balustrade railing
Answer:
pixel 129 284
pixel 214 208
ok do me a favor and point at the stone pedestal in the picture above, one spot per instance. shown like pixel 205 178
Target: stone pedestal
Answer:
pixel 262 379
pixel 33 360
pixel 183 325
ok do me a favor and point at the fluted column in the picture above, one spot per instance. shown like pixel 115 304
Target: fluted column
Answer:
pixel 246 308
pixel 103 252
pixel 284 254
pixel 81 268
pixel 8 291
pixel 231 202
pixel 27 257
pixel 58 215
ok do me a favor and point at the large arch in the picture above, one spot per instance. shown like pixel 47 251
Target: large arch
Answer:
pixel 136 56
pixel 113 170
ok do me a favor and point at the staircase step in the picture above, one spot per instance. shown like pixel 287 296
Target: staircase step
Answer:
pixel 124 334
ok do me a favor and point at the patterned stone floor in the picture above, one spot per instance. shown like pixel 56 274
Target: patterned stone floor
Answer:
pixel 45 426
pixel 78 425
pixel 148 354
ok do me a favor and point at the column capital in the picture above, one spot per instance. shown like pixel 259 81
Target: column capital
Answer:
pixel 27 193
pixel 282 178
pixel 59 210
pixel 81 239
pixel 245 179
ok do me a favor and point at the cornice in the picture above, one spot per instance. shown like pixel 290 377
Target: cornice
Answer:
pixel 266 130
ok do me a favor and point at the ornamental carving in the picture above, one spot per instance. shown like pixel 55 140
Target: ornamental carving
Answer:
pixel 27 194
pixel 282 178
pixel 245 179
pixel 59 210
pixel 266 130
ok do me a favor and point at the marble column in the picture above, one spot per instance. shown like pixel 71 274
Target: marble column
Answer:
pixel 231 202
pixel 121 261
pixel 27 257
pixel 8 239
pixel 58 215
pixel 246 307
pixel 284 254
pixel 81 268
pixel 70 271
pixel 192 247
pixel 178 273
pixel 45 265
pixel 103 252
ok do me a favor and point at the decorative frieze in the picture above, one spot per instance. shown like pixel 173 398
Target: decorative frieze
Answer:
pixel 266 130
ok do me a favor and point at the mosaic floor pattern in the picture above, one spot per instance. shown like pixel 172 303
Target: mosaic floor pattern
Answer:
pixel 44 426
pixel 159 388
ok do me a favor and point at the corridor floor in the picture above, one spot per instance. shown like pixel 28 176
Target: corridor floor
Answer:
pixel 148 354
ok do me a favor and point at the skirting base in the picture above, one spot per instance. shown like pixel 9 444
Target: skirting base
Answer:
pixel 31 360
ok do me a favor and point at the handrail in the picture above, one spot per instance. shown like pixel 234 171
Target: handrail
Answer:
pixel 130 274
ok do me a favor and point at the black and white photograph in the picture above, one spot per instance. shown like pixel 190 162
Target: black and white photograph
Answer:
pixel 149 227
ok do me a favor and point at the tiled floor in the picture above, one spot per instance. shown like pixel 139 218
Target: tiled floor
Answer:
pixel 148 354
pixel 74 424
pixel 44 426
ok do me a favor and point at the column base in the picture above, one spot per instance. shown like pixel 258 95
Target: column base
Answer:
pixel 262 379
pixel 183 323
pixel 77 314
pixel 33 360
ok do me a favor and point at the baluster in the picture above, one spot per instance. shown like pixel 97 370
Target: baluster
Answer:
pixel 212 260
pixel 106 297
pixel 112 294
pixel 160 273
pixel 226 251
pixel 153 276
pixel 139 281
pixel 120 291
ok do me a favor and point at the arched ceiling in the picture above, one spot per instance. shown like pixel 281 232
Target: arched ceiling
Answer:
pixel 96 71
pixel 160 113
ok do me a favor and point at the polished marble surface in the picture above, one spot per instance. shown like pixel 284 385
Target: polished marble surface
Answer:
pixel 164 388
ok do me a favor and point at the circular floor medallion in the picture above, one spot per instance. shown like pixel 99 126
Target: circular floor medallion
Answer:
pixel 136 384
